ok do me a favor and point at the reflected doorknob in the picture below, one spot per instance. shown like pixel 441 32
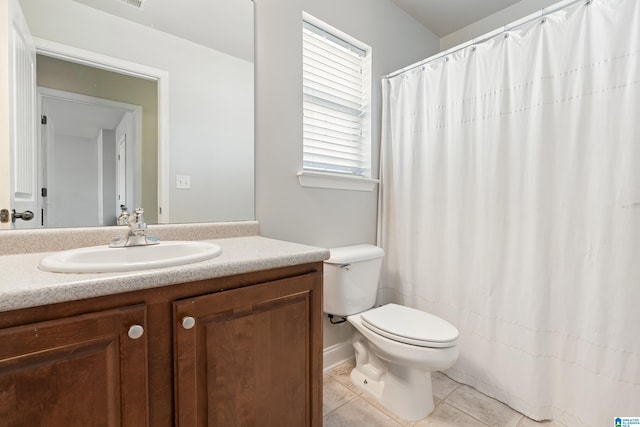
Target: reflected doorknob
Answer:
pixel 25 216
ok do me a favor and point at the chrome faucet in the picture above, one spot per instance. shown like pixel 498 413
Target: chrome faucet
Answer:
pixel 137 235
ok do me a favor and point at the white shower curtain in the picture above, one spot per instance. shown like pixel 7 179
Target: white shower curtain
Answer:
pixel 510 206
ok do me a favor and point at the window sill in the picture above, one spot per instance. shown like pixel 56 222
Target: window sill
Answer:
pixel 336 181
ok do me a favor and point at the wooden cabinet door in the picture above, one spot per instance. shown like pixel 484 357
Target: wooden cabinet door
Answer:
pixel 78 371
pixel 253 356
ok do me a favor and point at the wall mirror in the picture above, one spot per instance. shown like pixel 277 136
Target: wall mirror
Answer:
pixel 143 103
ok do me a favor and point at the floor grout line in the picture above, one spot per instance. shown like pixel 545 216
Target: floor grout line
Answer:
pixel 339 373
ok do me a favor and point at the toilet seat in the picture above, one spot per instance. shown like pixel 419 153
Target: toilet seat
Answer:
pixel 410 326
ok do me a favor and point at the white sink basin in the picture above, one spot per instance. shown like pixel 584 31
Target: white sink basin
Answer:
pixel 103 259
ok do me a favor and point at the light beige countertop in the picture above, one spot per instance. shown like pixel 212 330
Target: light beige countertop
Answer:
pixel 23 284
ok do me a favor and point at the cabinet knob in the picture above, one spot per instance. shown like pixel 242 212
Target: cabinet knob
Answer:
pixel 188 322
pixel 136 332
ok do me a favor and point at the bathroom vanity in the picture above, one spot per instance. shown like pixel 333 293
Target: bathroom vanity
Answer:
pixel 233 341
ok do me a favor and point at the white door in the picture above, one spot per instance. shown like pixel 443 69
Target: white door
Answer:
pixel 121 172
pixel 23 122
pixel 46 147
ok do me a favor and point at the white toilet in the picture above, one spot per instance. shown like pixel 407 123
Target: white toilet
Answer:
pixel 396 347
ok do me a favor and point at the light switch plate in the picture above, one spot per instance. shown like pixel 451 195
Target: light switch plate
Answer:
pixel 183 182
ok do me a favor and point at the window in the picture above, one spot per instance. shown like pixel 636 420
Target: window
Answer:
pixel 336 90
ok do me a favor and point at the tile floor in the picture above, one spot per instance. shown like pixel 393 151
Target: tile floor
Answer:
pixel 457 405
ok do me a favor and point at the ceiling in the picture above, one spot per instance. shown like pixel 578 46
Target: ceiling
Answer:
pixel 444 17
pixel 211 21
pixel 81 119
pixel 224 25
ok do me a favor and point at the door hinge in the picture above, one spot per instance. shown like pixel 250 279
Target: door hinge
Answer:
pixel 43 192
pixel 43 119
pixel 4 215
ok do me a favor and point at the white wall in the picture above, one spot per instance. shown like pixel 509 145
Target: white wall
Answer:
pixel 74 168
pixel 286 210
pixel 492 22
pixel 320 217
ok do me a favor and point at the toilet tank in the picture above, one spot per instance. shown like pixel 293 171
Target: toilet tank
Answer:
pixel 351 277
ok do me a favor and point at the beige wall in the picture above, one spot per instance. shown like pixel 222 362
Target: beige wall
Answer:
pixel 71 77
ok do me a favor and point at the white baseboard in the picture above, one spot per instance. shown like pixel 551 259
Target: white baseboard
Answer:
pixel 337 354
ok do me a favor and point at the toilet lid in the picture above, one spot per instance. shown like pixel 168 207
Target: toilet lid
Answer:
pixel 410 326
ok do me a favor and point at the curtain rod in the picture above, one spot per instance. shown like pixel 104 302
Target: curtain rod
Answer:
pixel 541 14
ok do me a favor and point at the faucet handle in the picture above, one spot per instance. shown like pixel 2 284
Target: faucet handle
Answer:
pixel 137 235
pixel 136 221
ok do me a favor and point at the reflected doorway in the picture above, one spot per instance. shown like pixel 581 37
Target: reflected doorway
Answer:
pixel 82 138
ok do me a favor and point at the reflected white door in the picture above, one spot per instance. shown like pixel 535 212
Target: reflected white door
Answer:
pixel 121 173
pixel 46 146
pixel 23 184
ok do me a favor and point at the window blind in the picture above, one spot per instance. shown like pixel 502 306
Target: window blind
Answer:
pixel 335 104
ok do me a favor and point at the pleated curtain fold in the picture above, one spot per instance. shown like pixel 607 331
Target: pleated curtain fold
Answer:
pixel 510 206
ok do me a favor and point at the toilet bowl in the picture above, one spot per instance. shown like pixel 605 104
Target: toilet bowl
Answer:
pixel 396 347
pixel 395 373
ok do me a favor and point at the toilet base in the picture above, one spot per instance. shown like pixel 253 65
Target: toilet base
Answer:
pixel 403 390
pixel 412 401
